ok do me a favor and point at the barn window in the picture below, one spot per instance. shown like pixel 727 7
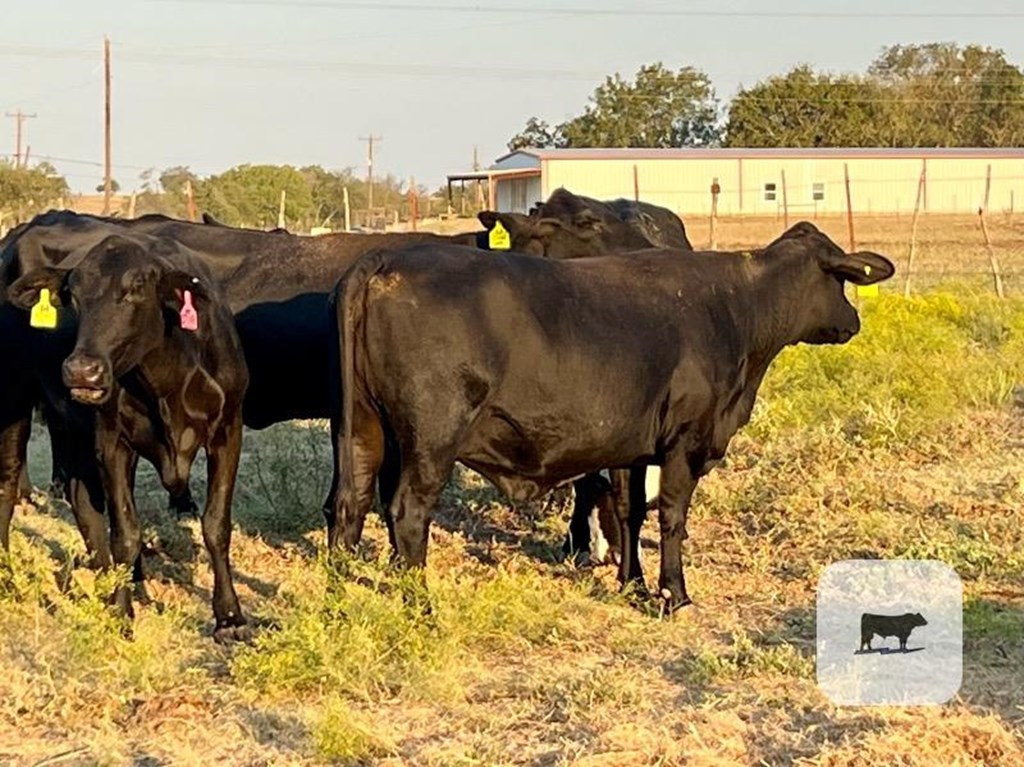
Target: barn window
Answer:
pixel 769 191
pixel 818 190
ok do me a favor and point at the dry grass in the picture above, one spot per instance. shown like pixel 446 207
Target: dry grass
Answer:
pixel 528 661
pixel 949 248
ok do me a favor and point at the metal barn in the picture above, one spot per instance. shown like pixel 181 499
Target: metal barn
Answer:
pixel 762 181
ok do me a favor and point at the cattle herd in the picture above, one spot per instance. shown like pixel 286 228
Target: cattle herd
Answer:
pixel 584 341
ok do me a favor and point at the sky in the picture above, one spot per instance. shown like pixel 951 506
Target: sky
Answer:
pixel 215 83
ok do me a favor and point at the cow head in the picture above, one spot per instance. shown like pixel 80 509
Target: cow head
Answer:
pixel 125 299
pixel 814 273
pixel 918 619
pixel 578 237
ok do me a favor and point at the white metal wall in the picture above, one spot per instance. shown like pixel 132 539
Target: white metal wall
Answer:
pixel 813 185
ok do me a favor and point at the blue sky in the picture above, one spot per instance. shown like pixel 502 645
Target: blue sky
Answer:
pixel 215 83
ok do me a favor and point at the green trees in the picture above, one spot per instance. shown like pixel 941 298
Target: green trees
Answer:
pixel 658 108
pixel 26 191
pixel 931 95
pixel 807 109
pixel 251 195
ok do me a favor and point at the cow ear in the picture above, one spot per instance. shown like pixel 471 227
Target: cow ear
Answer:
pixel 584 225
pixel 488 218
pixel 861 268
pixel 173 284
pixel 587 223
pixel 799 229
pixel 24 292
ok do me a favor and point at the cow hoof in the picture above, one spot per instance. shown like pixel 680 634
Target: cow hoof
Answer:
pixel 578 558
pixel 670 603
pixel 226 635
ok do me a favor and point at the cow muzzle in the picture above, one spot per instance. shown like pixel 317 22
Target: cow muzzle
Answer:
pixel 88 378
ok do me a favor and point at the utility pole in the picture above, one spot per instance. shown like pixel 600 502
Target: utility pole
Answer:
pixel 369 166
pixel 19 118
pixel 107 182
pixel 479 190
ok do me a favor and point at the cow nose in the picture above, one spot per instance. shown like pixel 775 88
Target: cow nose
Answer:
pixel 81 369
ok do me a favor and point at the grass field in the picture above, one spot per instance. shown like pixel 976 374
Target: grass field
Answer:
pixel 907 442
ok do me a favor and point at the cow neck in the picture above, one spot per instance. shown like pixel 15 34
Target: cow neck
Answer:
pixel 773 320
pixel 159 371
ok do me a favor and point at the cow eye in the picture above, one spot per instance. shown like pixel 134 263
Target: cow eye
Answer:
pixel 134 290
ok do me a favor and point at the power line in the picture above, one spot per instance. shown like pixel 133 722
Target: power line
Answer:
pixel 632 11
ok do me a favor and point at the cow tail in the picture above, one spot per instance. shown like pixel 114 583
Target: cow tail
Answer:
pixel 349 298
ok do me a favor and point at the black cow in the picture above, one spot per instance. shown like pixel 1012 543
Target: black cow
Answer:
pixel 162 386
pixel 657 225
pixel 888 626
pixel 276 284
pixel 574 226
pixel 500 362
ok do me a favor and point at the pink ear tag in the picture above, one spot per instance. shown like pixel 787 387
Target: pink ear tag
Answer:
pixel 189 316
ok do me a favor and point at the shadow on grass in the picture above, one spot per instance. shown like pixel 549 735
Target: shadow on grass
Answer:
pixel 146 760
pixel 888 651
pixel 993 673
pixel 473 508
pixel 284 736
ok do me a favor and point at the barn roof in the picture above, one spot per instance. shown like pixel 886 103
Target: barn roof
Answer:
pixel 702 153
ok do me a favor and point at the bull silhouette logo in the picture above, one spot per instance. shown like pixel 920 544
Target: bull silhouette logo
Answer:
pixel 898 626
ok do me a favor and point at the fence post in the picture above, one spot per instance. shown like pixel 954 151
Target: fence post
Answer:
pixel 991 255
pixel 913 234
pixel 190 200
pixel 988 184
pixel 849 207
pixel 280 210
pixel 785 202
pixel 348 212
pixel 413 207
pixel 636 184
pixel 715 189
pixel 131 205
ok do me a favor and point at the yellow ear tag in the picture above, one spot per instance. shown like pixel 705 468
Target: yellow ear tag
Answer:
pixel 44 314
pixel 498 238
pixel 868 291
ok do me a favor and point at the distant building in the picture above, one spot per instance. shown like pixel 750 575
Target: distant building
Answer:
pixel 761 181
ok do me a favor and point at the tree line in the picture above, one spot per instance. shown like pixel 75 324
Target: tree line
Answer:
pixel 250 195
pixel 929 95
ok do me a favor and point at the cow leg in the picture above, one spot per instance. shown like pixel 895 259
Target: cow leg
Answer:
pixel 24 483
pixel 367 454
pixel 577 541
pixel 118 462
pixel 678 482
pixel 387 486
pixel 630 566
pixel 60 457
pixel 419 488
pixel 86 495
pixel 13 448
pixel 222 457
